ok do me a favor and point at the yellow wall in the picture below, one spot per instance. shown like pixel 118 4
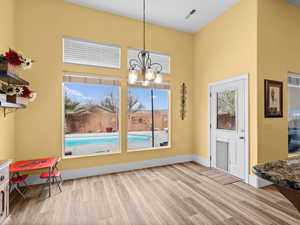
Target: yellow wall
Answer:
pixel 226 47
pixel 41 26
pixel 279 53
pixel 258 37
pixel 7 39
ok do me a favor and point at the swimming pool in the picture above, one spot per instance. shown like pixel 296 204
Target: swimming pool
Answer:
pixel 78 141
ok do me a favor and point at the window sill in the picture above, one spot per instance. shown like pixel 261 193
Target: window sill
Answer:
pixel 91 155
pixel 149 149
pixel 292 155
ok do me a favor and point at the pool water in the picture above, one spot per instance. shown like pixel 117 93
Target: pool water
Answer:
pixel 70 142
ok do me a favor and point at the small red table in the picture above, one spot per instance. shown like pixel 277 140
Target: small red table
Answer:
pixel 34 164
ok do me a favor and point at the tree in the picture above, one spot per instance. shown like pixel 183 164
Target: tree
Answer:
pixel 110 102
pixel 72 107
pixel 134 105
pixel 226 103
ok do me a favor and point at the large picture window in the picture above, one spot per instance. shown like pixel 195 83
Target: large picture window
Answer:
pixel 91 115
pixel 294 113
pixel 148 117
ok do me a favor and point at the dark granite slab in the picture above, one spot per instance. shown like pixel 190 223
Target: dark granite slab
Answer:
pixel 285 173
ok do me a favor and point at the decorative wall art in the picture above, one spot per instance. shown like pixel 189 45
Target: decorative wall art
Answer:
pixel 183 101
pixel 273 99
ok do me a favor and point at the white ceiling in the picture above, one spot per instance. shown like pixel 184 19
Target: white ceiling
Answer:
pixel 168 13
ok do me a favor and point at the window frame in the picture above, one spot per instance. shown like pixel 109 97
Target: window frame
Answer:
pixel 297 75
pixel 63 122
pixel 169 124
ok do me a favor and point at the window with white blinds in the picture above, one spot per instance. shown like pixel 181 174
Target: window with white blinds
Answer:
pixel 90 53
pixel 163 59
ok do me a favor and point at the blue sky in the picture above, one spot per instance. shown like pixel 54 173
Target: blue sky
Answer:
pixel 94 94
pixel 144 96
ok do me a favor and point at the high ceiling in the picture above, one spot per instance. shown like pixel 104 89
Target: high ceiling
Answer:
pixel 168 13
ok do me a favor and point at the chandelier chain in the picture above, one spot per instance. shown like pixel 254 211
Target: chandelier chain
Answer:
pixel 150 71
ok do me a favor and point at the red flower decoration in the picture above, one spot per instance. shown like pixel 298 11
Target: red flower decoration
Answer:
pixel 13 58
pixel 26 92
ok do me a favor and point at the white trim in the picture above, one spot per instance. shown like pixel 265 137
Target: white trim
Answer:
pixel 231 79
pixel 258 182
pixel 63 155
pixel 169 126
pixel 244 77
pixel 150 149
pixel 201 161
pixel 115 168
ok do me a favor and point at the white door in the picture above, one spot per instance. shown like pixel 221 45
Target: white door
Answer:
pixel 227 127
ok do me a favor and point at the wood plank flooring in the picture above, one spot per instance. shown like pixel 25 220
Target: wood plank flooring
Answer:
pixel 171 195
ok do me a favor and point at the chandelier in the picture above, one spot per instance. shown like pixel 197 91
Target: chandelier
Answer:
pixel 143 65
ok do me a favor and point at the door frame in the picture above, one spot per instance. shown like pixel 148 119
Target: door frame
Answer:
pixel 243 77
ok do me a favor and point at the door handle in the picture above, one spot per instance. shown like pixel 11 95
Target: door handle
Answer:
pixel 242 138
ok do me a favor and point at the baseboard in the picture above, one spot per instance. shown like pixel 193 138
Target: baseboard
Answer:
pixel 258 182
pixel 201 161
pixel 107 169
pixel 100 170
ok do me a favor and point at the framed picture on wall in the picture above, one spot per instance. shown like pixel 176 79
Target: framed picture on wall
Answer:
pixel 273 99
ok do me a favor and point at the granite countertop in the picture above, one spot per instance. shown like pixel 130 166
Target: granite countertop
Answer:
pixel 282 172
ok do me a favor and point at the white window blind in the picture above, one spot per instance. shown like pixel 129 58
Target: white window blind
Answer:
pixel 294 80
pixel 82 52
pixel 91 79
pixel 163 59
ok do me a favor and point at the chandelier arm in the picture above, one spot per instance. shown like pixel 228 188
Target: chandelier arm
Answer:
pixel 140 66
pixel 160 68
pixel 133 63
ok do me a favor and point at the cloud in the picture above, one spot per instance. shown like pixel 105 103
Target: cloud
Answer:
pixel 77 95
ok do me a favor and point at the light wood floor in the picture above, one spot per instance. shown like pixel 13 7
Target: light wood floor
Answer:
pixel 170 195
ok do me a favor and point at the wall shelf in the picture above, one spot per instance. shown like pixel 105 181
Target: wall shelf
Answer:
pixel 12 105
pixel 12 78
